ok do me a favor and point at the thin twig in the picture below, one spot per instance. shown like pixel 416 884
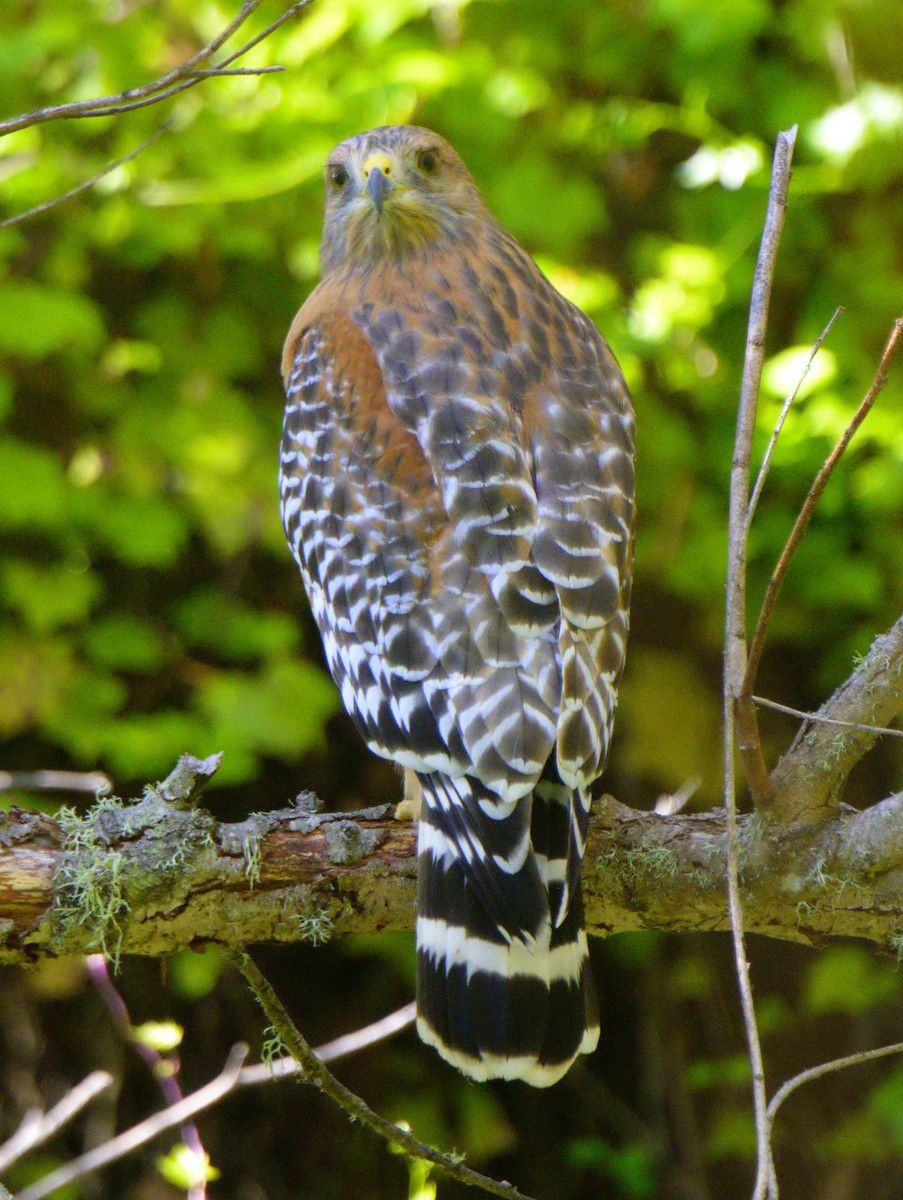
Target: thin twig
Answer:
pixel 734 631
pixel 815 491
pixel 265 33
pixel 54 781
pixel 808 716
pixel 315 1073
pixel 836 1064
pixel 141 1133
pixel 83 187
pixel 220 72
pixel 348 1043
pixel 39 1127
pixel 782 417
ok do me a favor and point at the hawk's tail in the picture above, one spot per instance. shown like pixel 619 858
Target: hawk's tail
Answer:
pixel 502 992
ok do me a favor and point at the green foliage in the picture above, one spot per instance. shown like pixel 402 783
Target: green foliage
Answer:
pixel 141 326
pixel 847 979
pixel 629 1168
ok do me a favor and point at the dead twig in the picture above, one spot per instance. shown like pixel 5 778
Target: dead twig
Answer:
pixel 813 1073
pixel 348 1043
pixel 55 781
pixel 734 628
pixel 35 1131
pixel 782 417
pixel 165 1070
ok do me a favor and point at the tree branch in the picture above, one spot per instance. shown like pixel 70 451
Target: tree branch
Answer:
pixel 187 75
pixel 160 874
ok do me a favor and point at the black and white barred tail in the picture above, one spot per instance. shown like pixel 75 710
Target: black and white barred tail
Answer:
pixel 504 986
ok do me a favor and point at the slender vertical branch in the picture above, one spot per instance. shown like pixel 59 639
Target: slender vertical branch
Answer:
pixel 747 727
pixel 734 629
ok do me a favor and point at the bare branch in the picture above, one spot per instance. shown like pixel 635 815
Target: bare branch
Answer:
pixel 813 1073
pixel 314 1072
pixel 221 72
pixel 101 106
pixel 165 1071
pixel 35 1131
pixel 138 1135
pixel 265 33
pixel 39 1127
pixel 734 626
pixel 169 875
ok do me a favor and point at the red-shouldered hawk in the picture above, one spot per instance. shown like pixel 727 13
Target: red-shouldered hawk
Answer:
pixel 457 487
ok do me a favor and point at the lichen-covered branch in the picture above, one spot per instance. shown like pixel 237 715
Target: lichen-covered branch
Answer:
pixel 160 874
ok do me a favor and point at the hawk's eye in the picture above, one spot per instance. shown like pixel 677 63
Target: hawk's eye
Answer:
pixel 338 176
pixel 428 162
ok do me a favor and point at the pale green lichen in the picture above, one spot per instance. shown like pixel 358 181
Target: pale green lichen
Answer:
pixel 316 928
pixel 273 1047
pixel 89 881
pixel 250 848
pixel 654 862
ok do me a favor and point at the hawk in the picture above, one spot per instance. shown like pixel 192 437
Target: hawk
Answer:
pixel 457 488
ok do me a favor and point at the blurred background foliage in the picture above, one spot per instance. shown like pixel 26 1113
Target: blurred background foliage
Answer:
pixel 148 605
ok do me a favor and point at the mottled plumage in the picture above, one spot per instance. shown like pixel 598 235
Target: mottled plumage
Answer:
pixel 457 488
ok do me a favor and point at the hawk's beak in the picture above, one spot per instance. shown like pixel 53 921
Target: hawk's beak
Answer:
pixel 377 171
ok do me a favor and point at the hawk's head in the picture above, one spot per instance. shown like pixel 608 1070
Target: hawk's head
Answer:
pixel 393 191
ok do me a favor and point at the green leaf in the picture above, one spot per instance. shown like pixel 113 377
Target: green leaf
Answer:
pixel 631 1167
pixel 34 676
pixel 192 974
pixel 280 711
pixel 48 597
pixel 234 631
pixel 125 643
pixel 36 320
pixel 847 979
pixel 34 491
pixel 162 1036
